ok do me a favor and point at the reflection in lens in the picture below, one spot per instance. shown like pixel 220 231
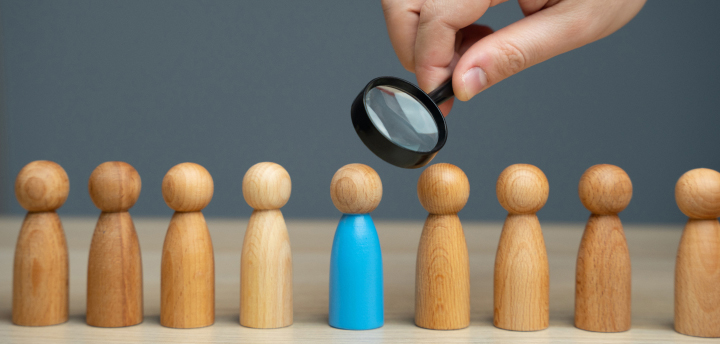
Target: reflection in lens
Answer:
pixel 401 118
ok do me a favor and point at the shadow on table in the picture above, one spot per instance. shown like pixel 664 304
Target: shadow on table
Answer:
pixel 402 319
pixel 152 319
pixel 6 316
pixel 566 320
pixel 670 325
pixel 79 318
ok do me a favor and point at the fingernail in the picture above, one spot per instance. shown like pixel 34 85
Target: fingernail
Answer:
pixel 474 80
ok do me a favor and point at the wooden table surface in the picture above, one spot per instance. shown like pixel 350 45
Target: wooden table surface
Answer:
pixel 652 248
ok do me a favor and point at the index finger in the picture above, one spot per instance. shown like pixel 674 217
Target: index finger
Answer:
pixel 438 25
pixel 401 18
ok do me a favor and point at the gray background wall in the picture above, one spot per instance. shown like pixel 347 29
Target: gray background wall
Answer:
pixel 227 84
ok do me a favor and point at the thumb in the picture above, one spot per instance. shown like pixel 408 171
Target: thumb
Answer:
pixel 529 41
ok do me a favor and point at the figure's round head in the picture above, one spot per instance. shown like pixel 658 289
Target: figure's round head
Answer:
pixel 605 189
pixel 266 185
pixel 42 186
pixel 697 193
pixel 356 189
pixel 522 189
pixel 187 187
pixel 443 189
pixel 114 186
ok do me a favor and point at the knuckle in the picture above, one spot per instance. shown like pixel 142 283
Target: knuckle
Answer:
pixel 430 8
pixel 511 59
pixel 433 10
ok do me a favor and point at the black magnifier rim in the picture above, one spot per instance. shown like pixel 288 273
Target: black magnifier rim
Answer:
pixel 381 145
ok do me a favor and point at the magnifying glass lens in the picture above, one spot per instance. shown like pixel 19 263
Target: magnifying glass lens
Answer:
pixel 401 118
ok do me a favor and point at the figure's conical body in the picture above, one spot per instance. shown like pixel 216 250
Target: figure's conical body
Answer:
pixel 442 274
pixel 114 285
pixel 187 283
pixel 522 278
pixel 697 269
pixel 603 272
pixel 40 272
pixel 356 274
pixel 266 298
pixel 266 293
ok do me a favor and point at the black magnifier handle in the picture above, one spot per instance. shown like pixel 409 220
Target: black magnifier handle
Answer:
pixel 442 93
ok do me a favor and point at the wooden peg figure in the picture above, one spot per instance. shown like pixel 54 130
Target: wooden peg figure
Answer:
pixel 114 285
pixel 266 294
pixel 187 284
pixel 602 286
pixel 442 276
pixel 40 273
pixel 522 277
pixel 356 274
pixel 697 269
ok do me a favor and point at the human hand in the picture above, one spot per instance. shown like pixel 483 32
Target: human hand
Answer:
pixel 436 39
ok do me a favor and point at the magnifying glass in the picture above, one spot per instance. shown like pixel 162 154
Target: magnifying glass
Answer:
pixel 399 122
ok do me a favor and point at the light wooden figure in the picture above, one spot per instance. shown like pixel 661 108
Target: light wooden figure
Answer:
pixel 603 275
pixel 114 285
pixel 697 269
pixel 442 277
pixel 40 273
pixel 187 283
pixel 266 296
pixel 522 276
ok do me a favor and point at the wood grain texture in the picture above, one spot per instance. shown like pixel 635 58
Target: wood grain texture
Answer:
pixel 187 284
pixel 443 189
pixel 40 273
pixel 187 187
pixel 521 284
pixel 42 186
pixel 654 247
pixel 442 278
pixel 114 281
pixel 356 189
pixel 40 270
pixel 266 293
pixel 114 284
pixel 266 185
pixel 605 189
pixel 697 268
pixel 697 194
pixel 697 279
pixel 266 287
pixel 522 189
pixel 522 278
pixel 114 186
pixel 603 273
pixel 603 277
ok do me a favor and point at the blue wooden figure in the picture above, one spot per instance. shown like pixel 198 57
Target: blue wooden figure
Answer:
pixel 356 276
